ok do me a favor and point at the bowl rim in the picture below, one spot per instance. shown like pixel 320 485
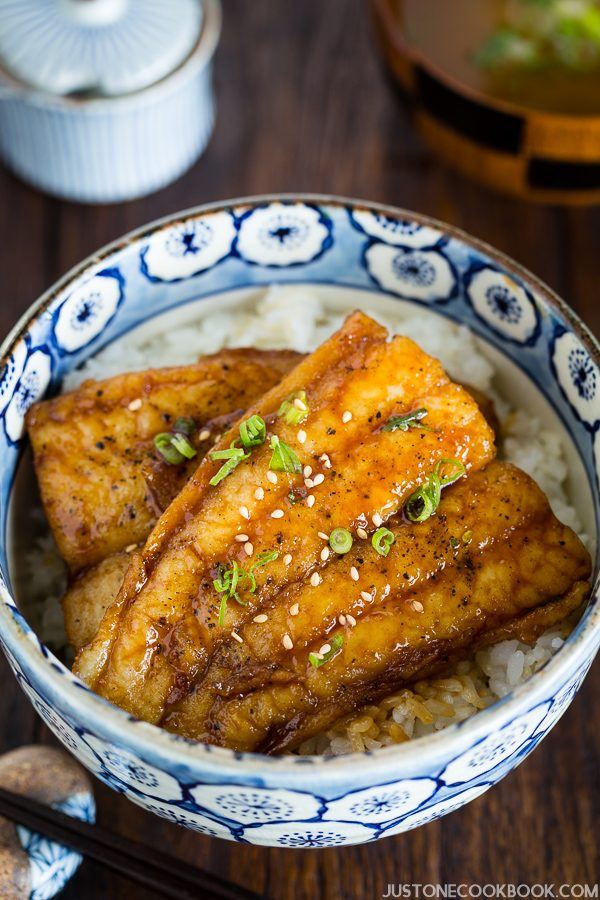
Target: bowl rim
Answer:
pixel 397 35
pixel 149 740
pixel 197 59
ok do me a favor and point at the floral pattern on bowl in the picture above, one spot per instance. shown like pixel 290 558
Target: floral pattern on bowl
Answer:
pixel 435 810
pixel 189 248
pixel 427 276
pixel 578 376
pixel 85 313
pixel 395 255
pixel 501 303
pixel 283 234
pixel 30 386
pixel 395 231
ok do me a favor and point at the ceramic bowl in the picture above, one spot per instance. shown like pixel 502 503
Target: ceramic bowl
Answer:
pixel 373 256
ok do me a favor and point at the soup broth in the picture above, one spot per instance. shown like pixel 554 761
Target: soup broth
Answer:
pixel 465 39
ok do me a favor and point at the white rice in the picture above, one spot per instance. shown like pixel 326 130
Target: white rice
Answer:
pixel 296 318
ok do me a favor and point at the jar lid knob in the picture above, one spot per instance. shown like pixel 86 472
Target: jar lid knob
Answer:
pixel 96 12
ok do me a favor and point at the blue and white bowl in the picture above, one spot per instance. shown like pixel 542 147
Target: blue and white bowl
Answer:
pixel 381 257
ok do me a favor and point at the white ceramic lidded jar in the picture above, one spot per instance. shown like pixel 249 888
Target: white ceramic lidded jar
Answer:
pixel 105 100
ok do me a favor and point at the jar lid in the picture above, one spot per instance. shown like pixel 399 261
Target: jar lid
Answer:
pixel 98 47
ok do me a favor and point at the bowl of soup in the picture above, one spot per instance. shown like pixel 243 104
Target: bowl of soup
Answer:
pixel 507 91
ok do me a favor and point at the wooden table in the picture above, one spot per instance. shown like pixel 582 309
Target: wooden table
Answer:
pixel 304 106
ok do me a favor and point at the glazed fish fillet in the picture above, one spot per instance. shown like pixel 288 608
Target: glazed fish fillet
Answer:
pixel 494 563
pixel 102 487
pixel 158 640
pixel 89 596
pixel 93 590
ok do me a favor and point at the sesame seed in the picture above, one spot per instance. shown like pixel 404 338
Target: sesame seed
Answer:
pixel 294 609
pixel 242 538
pixel 236 637
pixel 287 642
pixel 135 405
pixel 204 435
pixel 277 514
pixel 259 493
pixel 244 512
pixel 342 619
pixel 260 619
pixel 301 436
pixel 299 404
pixel 377 520
pixel 310 500
pixel 249 548
pixel 272 477
pixel 325 649
pixel 366 596
pixel 347 416
pixel 307 472
pixel 130 548
pixel 315 579
pixel 350 620
pixel 362 533
pixel 309 483
pixel 287 559
pixel 317 655
pixel 325 553
pixel 322 535
pixel 354 573
pixel 318 479
pixel 417 606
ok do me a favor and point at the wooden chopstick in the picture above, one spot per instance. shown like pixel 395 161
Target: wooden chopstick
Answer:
pixel 146 865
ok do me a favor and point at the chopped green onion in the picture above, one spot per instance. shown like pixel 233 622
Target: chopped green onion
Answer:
pixel 183 446
pixel 340 540
pixel 263 558
pixel 174 448
pixel 184 425
pixel 426 499
pixel 336 643
pixel 459 471
pixel 229 581
pixel 233 457
pixel 253 432
pixel 294 413
pixel 454 543
pixel 422 504
pixel 222 609
pixel 283 459
pixel 408 420
pixel 382 540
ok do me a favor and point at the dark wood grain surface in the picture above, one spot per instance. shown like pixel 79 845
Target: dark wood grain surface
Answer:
pixel 304 106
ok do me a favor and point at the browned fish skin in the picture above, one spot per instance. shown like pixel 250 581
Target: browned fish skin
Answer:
pixel 487 407
pixel 92 447
pixel 93 591
pixel 89 595
pixel 159 636
pixel 488 566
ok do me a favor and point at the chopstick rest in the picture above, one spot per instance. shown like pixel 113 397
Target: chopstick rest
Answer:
pixel 43 792
pixel 31 862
